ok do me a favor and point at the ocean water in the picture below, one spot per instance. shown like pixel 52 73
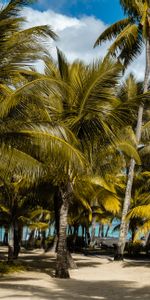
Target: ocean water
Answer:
pixel 50 231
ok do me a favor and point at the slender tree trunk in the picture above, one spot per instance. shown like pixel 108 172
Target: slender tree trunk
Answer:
pixel 62 261
pixel 5 239
pixel 57 206
pixel 107 230
pixel 70 230
pixel 11 243
pixel 83 229
pixel 102 230
pixel 43 235
pixel 30 242
pixel 99 231
pixel 93 230
pixel 17 239
pixel 118 255
pixel 87 236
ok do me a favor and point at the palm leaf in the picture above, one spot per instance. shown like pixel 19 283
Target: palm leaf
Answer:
pixel 53 146
pixel 130 151
pixel 133 7
pixel 112 31
pixel 144 229
pixel 16 164
pixel 127 37
pixel 141 211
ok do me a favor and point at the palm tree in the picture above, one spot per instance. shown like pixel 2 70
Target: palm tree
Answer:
pixel 18 171
pixel 131 34
pixel 85 101
pixel 47 143
pixel 17 50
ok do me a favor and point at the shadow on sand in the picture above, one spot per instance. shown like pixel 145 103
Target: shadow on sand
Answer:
pixel 76 289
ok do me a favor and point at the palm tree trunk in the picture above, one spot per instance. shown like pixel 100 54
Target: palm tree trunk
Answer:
pixel 107 230
pixel 17 239
pixel 93 230
pixel 5 239
pixel 30 242
pixel 118 255
pixel 43 241
pixel 62 261
pixel 11 243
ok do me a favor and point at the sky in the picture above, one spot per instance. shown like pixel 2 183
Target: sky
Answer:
pixel 78 23
pixel 107 10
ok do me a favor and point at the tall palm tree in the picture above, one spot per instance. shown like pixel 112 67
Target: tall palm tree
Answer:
pixel 85 101
pixel 82 98
pixel 130 35
pixel 20 48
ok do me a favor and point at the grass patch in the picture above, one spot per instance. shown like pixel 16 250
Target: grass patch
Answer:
pixel 6 268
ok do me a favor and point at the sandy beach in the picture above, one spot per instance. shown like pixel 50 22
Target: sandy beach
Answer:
pixel 97 277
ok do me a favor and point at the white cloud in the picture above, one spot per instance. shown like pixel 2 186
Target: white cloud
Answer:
pixel 77 36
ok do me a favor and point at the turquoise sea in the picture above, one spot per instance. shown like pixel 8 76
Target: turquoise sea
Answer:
pixel 50 231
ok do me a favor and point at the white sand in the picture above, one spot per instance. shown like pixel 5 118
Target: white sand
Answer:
pixel 96 278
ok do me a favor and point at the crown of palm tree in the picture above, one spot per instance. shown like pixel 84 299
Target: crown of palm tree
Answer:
pixel 129 33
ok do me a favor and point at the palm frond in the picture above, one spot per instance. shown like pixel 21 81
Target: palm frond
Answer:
pixel 19 47
pixel 141 211
pixel 53 142
pixel 143 229
pixel 127 37
pixel 146 132
pixel 132 8
pixel 17 165
pixel 132 47
pixel 130 151
pixel 112 31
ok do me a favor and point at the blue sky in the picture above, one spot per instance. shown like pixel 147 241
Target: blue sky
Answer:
pixel 107 10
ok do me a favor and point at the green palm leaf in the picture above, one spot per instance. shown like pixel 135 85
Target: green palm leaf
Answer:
pixel 112 32
pixel 18 165
pixel 141 211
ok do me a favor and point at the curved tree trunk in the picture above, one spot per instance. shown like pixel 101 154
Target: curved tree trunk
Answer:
pixel 118 255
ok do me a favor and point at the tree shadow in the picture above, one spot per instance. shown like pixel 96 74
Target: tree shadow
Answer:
pixel 76 289
pixel 142 263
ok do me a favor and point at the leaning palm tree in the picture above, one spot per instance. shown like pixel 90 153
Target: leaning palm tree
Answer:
pixel 130 35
